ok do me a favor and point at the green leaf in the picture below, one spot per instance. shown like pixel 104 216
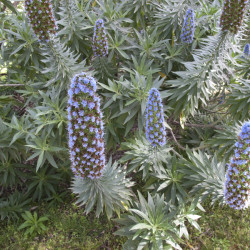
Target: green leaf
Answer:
pixel 9 5
pixel 51 159
pixel 40 160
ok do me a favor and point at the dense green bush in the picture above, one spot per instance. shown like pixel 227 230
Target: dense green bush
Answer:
pixel 184 51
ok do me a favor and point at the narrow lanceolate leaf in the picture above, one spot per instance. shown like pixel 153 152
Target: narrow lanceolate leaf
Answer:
pixel 110 191
pixel 9 5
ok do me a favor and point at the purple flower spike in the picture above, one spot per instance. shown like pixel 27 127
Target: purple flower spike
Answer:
pixel 86 143
pixel 246 50
pixel 155 129
pixel 232 15
pixel 41 18
pixel 237 186
pixel 100 42
pixel 187 32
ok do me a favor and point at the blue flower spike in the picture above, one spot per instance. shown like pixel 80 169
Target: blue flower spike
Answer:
pixel 85 128
pixel 232 15
pixel 246 50
pixel 41 18
pixel 100 42
pixel 237 186
pixel 187 32
pixel 155 129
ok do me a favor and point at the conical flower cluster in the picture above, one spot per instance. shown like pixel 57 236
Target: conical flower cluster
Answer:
pixel 232 15
pixel 246 50
pixel 237 186
pixel 86 143
pixel 155 129
pixel 41 18
pixel 187 32
pixel 100 42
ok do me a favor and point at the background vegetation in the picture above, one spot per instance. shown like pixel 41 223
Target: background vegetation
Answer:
pixel 205 90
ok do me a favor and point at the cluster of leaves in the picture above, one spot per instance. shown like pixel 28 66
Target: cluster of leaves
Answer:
pixel 32 223
pixel 204 87
pixel 33 146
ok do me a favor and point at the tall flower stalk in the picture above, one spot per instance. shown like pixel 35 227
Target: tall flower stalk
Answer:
pixel 86 143
pixel 237 186
pixel 232 15
pixel 246 50
pixel 187 32
pixel 100 42
pixel 155 129
pixel 41 18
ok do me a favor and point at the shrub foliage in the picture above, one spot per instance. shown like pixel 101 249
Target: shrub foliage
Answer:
pixel 165 92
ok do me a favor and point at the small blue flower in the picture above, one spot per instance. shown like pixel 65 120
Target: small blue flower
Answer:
pixel 81 113
pixel 84 103
pixel 70 92
pixel 77 90
pixel 70 101
pixel 91 105
pixel 76 104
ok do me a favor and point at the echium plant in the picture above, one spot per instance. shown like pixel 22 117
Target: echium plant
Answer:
pixel 232 15
pixel 246 50
pixel 85 128
pixel 155 129
pixel 237 186
pixel 187 32
pixel 100 43
pixel 96 183
pixel 41 18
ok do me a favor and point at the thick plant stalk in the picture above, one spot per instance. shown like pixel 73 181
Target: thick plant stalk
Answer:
pixel 41 18
pixel 155 129
pixel 187 32
pixel 86 143
pixel 237 186
pixel 100 42
pixel 232 15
